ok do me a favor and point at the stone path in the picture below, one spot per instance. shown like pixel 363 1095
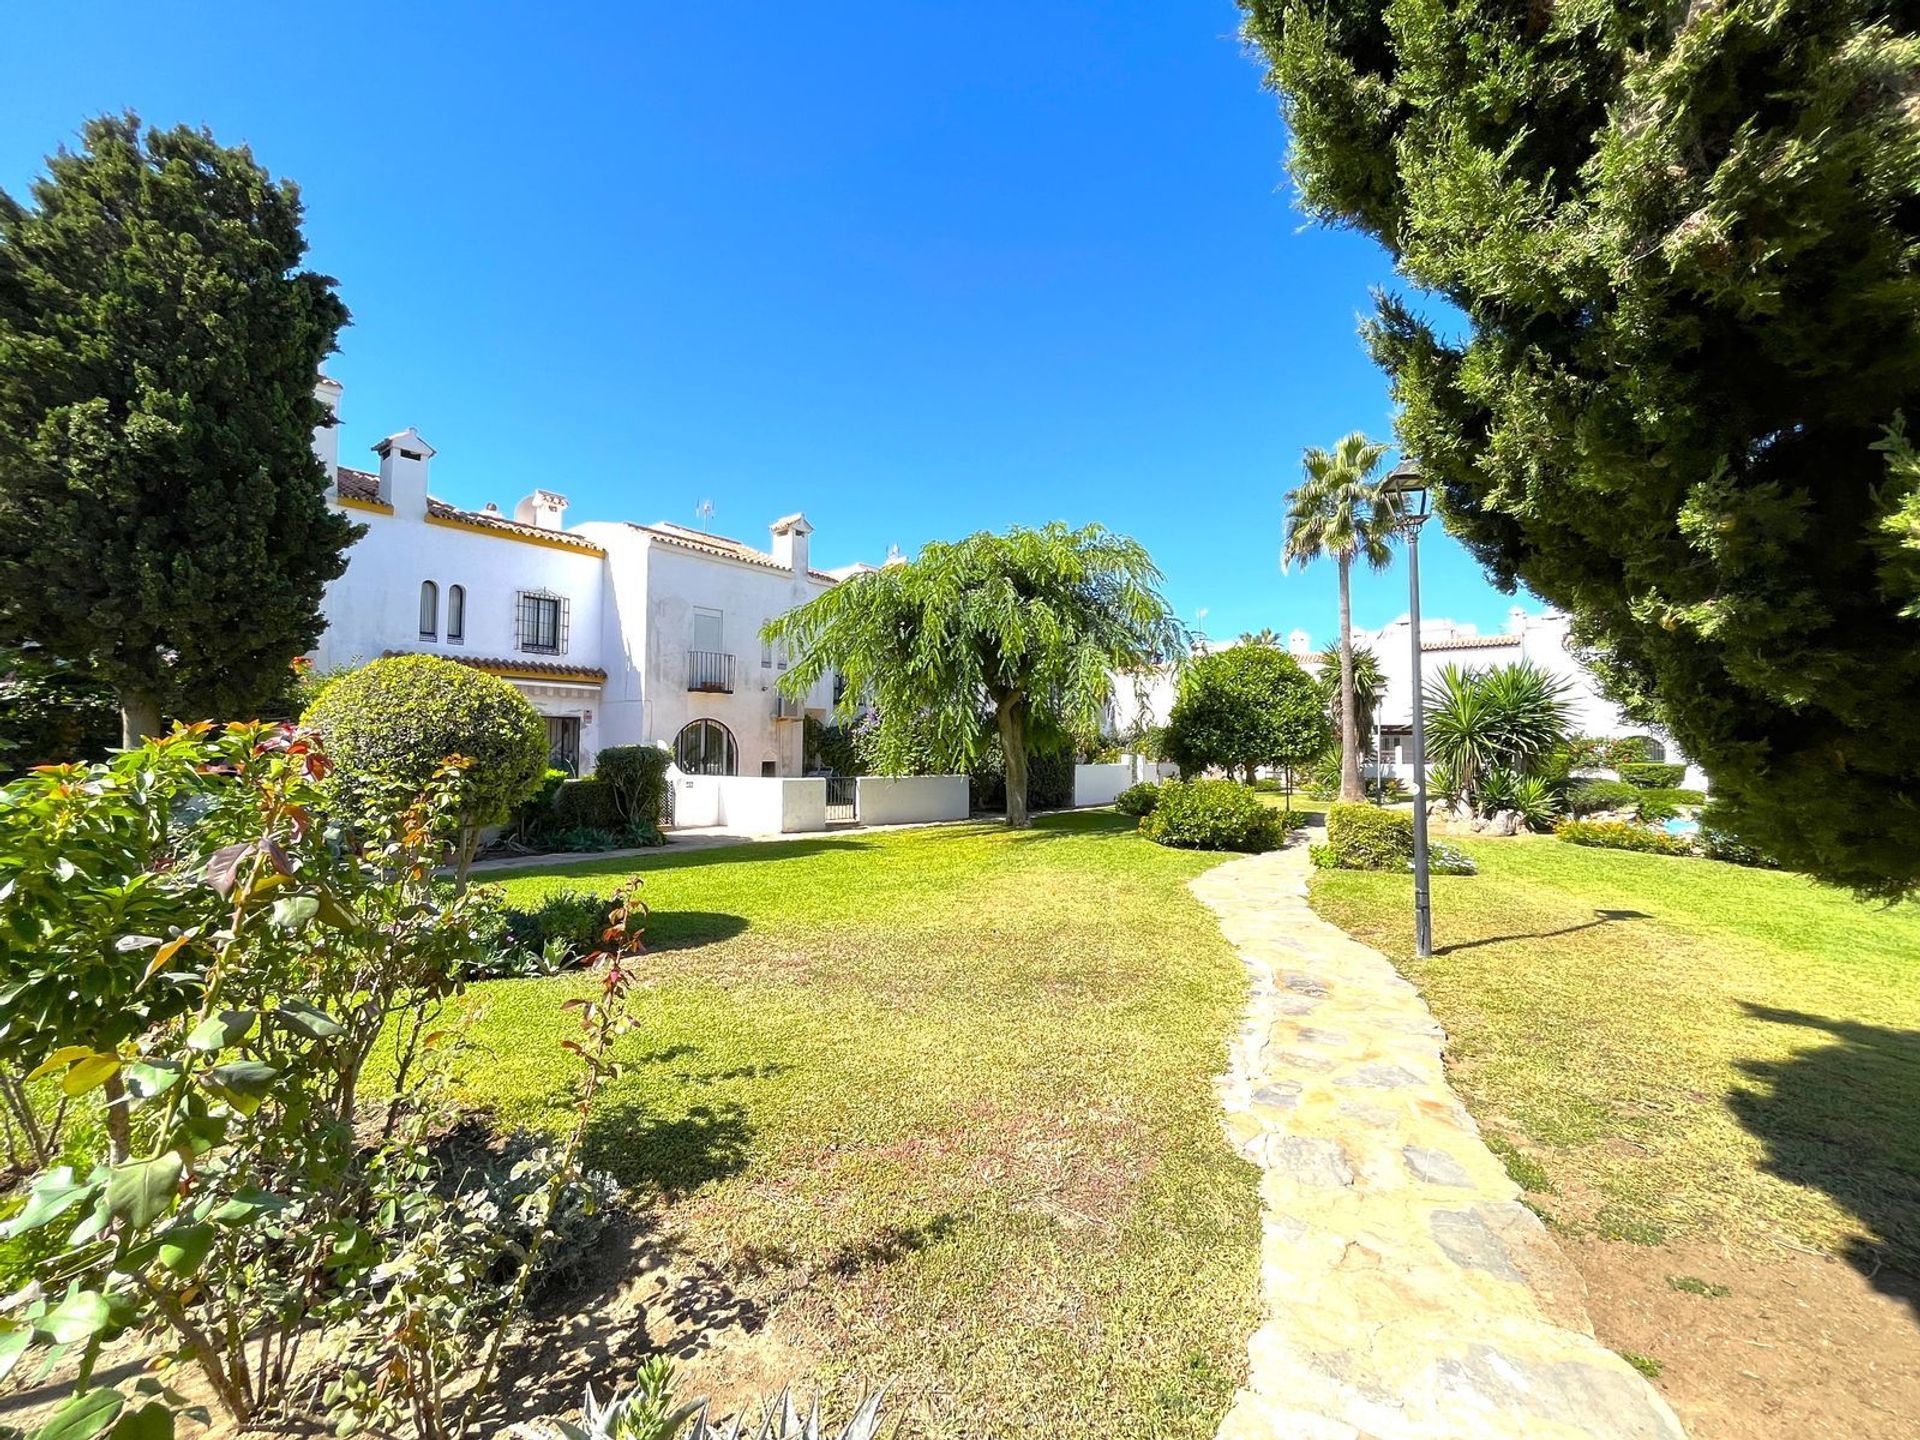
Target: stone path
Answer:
pixel 1407 1293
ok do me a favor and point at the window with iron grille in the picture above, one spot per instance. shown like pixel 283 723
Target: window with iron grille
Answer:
pixel 540 623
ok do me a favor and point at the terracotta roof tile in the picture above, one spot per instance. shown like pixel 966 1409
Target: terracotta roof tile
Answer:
pixel 1470 642
pixel 515 665
pixel 357 484
pixel 493 520
pixel 724 546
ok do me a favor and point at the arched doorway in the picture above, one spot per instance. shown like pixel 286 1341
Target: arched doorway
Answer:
pixel 706 747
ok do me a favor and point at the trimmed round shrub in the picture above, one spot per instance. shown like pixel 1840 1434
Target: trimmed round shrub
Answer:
pixel 1138 799
pixel 1366 837
pixel 1213 815
pixel 395 721
pixel 637 777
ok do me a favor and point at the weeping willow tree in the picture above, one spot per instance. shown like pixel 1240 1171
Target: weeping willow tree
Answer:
pixel 1014 635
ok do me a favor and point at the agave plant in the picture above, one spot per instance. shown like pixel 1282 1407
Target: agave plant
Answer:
pixel 647 1412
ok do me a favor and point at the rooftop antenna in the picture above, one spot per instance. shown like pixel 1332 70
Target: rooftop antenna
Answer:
pixel 703 512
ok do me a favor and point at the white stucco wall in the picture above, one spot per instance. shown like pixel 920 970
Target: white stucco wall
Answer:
pixel 1099 784
pixel 911 799
pixel 750 804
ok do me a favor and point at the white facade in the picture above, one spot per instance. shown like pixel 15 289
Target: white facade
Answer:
pixel 619 633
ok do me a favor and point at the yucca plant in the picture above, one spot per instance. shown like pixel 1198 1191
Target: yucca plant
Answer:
pixel 647 1412
pixel 1492 729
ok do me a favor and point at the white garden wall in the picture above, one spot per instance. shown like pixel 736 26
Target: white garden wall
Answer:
pixel 751 804
pixel 1100 784
pixel 911 799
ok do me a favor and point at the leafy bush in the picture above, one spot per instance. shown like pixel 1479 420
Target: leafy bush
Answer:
pixel 507 1182
pixel 1244 707
pixel 1366 837
pixel 1049 780
pixel 833 748
pixel 395 721
pixel 574 918
pixel 1531 797
pixel 1649 775
pixel 1651 808
pixel 1676 796
pixel 1589 797
pixel 1212 815
pixel 1138 799
pixel 1717 842
pixel 637 777
pixel 1621 835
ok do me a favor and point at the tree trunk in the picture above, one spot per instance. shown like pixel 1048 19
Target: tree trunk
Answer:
pixel 113 1092
pixel 1350 787
pixel 1013 747
pixel 139 720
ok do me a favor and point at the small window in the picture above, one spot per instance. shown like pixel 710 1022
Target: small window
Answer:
pixel 769 768
pixel 709 631
pixel 766 654
pixel 541 624
pixel 429 610
pixel 456 613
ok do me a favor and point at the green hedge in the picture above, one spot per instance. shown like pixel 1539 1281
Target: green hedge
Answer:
pixel 1588 797
pixel 637 775
pixel 1049 782
pixel 1620 835
pixel 1138 799
pixel 1366 837
pixel 1213 815
pixel 1650 775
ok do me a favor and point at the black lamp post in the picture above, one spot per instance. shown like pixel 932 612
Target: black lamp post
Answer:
pixel 1408 487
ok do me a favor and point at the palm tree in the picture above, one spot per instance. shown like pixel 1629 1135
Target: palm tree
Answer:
pixel 1260 637
pixel 1341 510
pixel 1369 687
pixel 1491 729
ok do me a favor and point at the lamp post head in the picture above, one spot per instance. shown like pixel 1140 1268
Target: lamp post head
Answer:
pixel 1406 483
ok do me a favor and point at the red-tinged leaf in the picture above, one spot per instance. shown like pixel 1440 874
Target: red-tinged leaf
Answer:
pixel 223 869
pixel 276 856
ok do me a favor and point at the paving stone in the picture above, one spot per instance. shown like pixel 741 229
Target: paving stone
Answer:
pixel 1380 1077
pixel 1309 1161
pixel 1610 1401
pixel 1390 1312
pixel 1469 1241
pixel 1377 1116
pixel 1313 1035
pixel 1281 1094
pixel 1436 1167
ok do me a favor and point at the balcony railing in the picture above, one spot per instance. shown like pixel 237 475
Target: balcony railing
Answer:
pixel 710 671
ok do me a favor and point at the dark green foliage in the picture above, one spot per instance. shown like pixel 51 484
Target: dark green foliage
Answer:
pixel 1366 837
pixel 1621 835
pixel 575 918
pixel 1049 780
pixel 1245 707
pixel 637 775
pixel 1686 243
pixel 396 720
pixel 1648 775
pixel 163 518
pixel 1716 842
pixel 833 748
pixel 1017 635
pixel 1588 797
pixel 588 804
pixel 1138 799
pixel 51 712
pixel 1213 815
pixel 1650 809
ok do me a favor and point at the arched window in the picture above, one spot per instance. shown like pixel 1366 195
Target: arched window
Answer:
pixel 429 610
pixel 456 613
pixel 706 748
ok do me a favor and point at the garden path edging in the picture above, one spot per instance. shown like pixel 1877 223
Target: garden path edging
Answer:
pixel 1407 1294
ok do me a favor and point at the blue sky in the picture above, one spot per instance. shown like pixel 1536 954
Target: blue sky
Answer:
pixel 917 269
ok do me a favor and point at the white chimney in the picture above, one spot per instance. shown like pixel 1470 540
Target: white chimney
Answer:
pixel 326 436
pixel 1299 644
pixel 544 508
pixel 1516 621
pixel 403 471
pixel 790 542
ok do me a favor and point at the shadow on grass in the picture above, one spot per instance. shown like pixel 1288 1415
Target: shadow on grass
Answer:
pixel 1600 917
pixel 1839 1118
pixel 668 1156
pixel 670 857
pixel 685 929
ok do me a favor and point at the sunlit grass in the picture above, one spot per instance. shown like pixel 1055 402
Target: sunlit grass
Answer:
pixel 942 1100
pixel 1679 1046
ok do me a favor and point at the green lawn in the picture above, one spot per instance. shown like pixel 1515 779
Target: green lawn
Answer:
pixel 1678 1046
pixel 941 1100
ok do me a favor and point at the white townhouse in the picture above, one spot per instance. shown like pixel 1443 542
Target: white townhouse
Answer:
pixel 618 633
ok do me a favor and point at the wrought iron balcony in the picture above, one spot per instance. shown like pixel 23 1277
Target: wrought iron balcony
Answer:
pixel 710 671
